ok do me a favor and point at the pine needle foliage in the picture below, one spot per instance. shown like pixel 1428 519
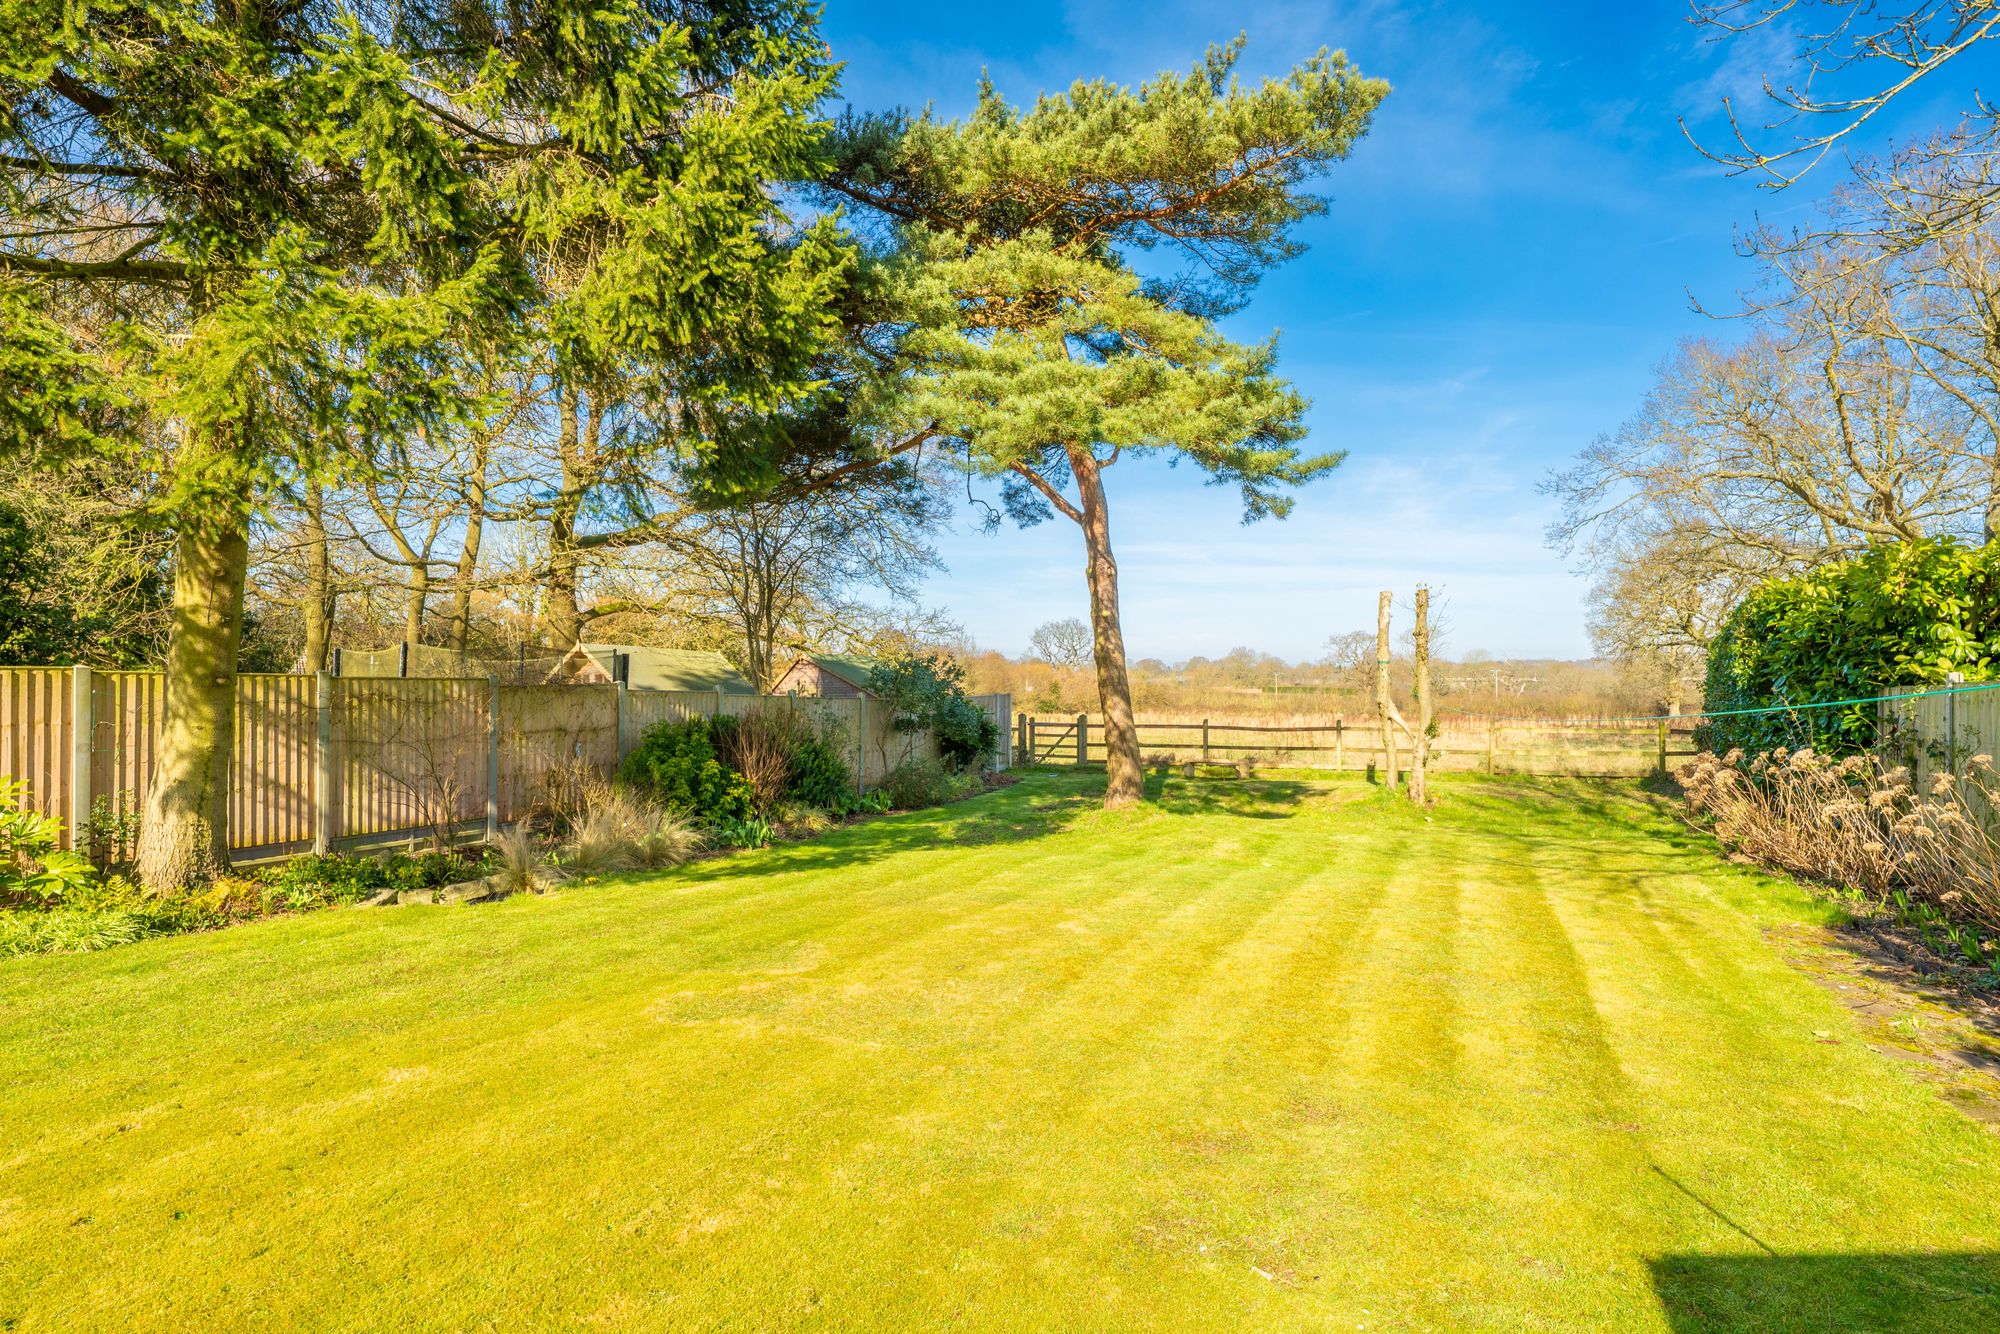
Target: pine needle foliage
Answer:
pixel 1032 342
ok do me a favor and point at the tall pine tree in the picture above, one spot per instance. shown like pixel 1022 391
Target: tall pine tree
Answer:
pixel 1031 342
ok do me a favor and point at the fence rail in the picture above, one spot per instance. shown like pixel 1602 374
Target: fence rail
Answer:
pixel 327 762
pixel 1492 744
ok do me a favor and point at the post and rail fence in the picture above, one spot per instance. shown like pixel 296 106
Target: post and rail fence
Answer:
pixel 1930 729
pixel 1471 743
pixel 331 762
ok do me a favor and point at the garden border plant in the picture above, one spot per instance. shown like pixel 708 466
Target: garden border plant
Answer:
pixel 1868 831
pixel 681 792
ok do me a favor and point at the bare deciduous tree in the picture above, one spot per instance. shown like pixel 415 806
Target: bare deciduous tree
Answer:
pixel 1849 61
pixel 1065 643
pixel 1656 607
pixel 781 574
pixel 1863 406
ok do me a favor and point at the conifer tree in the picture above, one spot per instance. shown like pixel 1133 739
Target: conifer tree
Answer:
pixel 243 244
pixel 1031 341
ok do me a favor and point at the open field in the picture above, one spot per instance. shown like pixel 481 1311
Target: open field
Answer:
pixel 1352 743
pixel 1270 1055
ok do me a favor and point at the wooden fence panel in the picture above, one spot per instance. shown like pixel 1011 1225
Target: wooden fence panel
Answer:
pixel 547 731
pixel 1000 708
pixel 409 755
pixel 649 708
pixel 35 718
pixel 273 779
pixel 1920 732
pixel 125 734
pixel 1934 733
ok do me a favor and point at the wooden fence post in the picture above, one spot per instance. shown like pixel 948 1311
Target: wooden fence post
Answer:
pixel 323 763
pixel 1339 744
pixel 618 711
pixel 1204 741
pixel 1022 755
pixel 492 758
pixel 1492 746
pixel 1082 739
pixel 860 742
pixel 82 739
pixel 1952 681
pixel 1663 747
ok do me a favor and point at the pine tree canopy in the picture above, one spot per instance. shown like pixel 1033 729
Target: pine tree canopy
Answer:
pixel 1019 236
pixel 1200 162
pixel 1030 354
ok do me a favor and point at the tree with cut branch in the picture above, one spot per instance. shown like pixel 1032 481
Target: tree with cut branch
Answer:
pixel 1423 734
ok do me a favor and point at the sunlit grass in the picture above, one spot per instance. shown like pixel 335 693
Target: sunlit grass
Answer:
pixel 1270 1055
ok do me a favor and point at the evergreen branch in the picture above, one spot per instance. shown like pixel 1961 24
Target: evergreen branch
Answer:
pixel 51 167
pixel 123 268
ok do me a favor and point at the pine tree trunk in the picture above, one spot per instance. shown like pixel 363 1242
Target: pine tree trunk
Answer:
pixel 1124 768
pixel 184 832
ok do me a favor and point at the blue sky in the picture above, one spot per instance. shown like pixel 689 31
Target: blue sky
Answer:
pixel 1508 255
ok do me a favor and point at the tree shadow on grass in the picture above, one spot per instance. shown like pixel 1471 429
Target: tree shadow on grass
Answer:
pixel 1873 1292
pixel 1018 814
pixel 1039 806
pixel 1244 798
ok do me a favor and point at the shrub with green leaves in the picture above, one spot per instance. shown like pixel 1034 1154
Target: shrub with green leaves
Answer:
pixel 820 776
pixel 35 869
pixel 1897 617
pixel 925 692
pixel 751 832
pixel 676 765
pixel 872 802
pixel 966 734
pixel 919 783
pixel 107 911
pixel 314 880
pixel 330 878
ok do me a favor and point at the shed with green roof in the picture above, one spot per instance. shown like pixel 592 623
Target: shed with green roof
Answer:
pixel 827 676
pixel 645 668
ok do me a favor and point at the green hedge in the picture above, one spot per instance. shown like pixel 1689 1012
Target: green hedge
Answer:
pixel 1899 616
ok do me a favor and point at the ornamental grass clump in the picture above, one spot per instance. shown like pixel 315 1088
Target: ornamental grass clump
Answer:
pixel 1860 824
pixel 622 831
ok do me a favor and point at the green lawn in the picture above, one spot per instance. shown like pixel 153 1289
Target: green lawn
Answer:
pixel 1264 1055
